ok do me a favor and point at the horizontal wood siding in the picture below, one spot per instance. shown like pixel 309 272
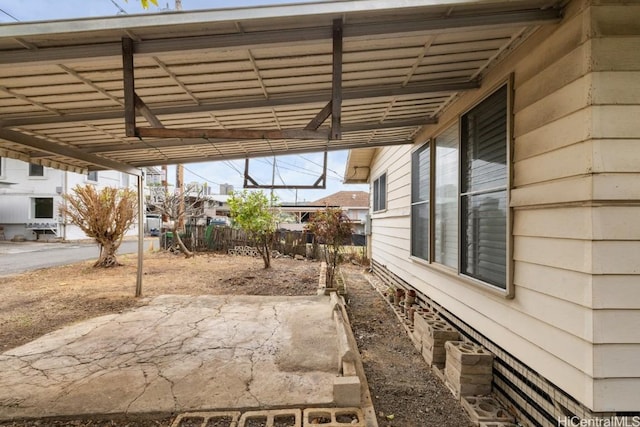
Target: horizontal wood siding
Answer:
pixel 575 199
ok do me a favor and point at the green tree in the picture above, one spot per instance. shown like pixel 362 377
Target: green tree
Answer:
pixel 254 213
pixel 332 228
pixel 104 215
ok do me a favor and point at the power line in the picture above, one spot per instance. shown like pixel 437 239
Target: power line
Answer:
pixel 9 15
pixel 201 177
pixel 121 10
pixel 318 164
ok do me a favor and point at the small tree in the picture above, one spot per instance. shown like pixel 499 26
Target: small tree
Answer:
pixel 103 215
pixel 332 228
pixel 172 206
pixel 252 212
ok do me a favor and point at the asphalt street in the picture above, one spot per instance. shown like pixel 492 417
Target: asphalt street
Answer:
pixel 18 257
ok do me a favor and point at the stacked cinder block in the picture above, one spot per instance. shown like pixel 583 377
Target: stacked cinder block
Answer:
pixel 486 409
pixel 430 334
pixel 468 369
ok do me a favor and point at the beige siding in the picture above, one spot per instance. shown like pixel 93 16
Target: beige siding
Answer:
pixel 575 196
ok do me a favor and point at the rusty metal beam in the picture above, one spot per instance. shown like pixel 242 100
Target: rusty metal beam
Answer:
pixel 128 79
pixel 336 84
pixel 319 119
pixel 231 133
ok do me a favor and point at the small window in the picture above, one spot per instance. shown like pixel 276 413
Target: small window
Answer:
pixel 36 170
pixel 92 176
pixel 43 207
pixel 380 193
pixel 124 179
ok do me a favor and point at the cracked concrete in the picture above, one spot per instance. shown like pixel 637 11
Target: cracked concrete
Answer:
pixel 178 353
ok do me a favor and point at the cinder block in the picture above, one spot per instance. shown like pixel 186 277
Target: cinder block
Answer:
pixel 485 409
pixel 435 332
pixel 468 369
pixel 226 419
pixel 333 417
pixel 346 391
pixel 468 354
pixel 271 418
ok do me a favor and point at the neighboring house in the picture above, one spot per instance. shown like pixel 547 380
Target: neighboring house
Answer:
pixel 30 197
pixel 517 214
pixel 355 204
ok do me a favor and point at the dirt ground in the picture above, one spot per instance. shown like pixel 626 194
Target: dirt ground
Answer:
pixel 404 392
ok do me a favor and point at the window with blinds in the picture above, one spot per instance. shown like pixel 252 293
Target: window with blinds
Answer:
pixel 420 195
pixel 380 193
pixel 483 192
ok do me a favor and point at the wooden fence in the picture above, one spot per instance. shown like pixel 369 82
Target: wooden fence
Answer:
pixel 221 239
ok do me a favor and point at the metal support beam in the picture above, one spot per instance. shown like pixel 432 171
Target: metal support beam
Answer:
pixel 60 150
pixel 166 143
pixel 231 133
pixel 434 87
pixel 251 40
pixel 319 119
pixel 140 234
pixel 146 112
pixel 250 183
pixel 336 85
pixel 129 87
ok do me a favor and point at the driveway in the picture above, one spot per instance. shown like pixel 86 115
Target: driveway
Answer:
pixel 18 257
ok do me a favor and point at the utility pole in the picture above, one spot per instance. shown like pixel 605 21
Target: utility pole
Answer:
pixel 273 179
pixel 180 167
pixel 180 192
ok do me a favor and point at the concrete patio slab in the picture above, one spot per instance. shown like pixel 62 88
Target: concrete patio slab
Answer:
pixel 177 354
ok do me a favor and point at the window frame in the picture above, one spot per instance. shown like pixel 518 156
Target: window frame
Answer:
pixel 375 205
pixel 469 194
pixel 34 204
pixel 425 146
pixel 88 178
pixel 31 175
pixel 508 290
pixel 3 167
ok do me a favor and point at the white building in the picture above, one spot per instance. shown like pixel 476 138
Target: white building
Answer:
pixel 31 196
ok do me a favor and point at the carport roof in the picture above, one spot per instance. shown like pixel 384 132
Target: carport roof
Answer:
pixel 234 71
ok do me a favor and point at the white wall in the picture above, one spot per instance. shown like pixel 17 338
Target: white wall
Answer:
pixel 18 189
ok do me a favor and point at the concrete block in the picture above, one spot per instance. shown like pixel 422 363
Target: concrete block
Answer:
pixel 346 391
pixel 468 369
pixel 485 409
pixel 226 419
pixel 333 417
pixel 460 390
pixel 271 418
pixel 434 333
pixel 468 353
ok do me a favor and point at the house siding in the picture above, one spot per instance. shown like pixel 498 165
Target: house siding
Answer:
pixel 574 199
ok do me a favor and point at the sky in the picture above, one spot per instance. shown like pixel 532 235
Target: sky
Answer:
pixel 290 170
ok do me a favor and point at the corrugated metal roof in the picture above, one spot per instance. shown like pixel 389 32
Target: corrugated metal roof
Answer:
pixel 62 96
